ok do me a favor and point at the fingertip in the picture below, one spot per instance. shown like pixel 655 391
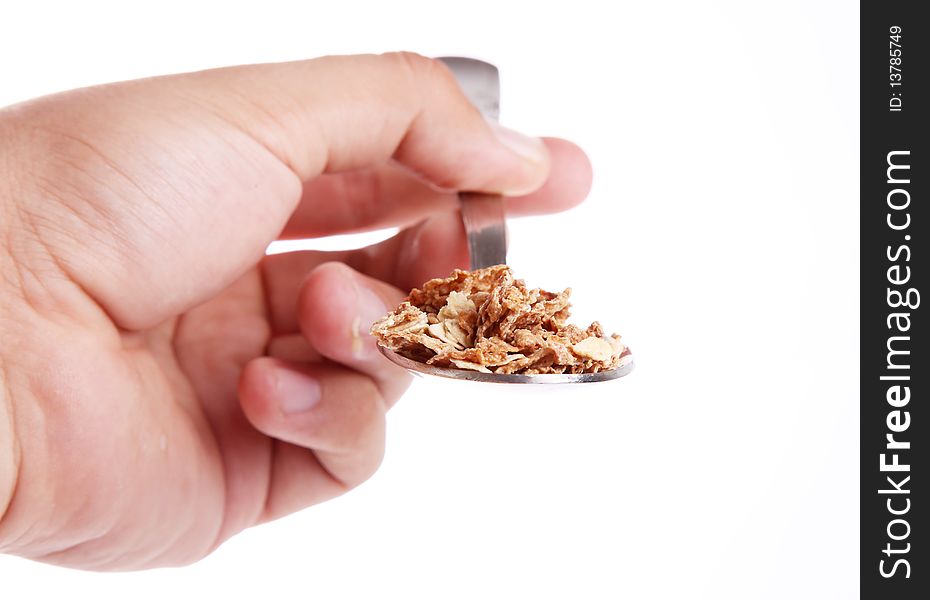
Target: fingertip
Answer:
pixel 257 389
pixel 336 308
pixel 273 390
pixel 336 412
pixel 568 183
pixel 432 249
pixel 532 169
pixel 326 304
pixel 574 168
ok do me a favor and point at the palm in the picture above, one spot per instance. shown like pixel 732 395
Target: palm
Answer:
pixel 164 449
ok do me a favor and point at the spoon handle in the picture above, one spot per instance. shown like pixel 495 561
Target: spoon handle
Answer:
pixel 482 214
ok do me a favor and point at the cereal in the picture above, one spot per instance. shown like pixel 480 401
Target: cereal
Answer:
pixel 488 321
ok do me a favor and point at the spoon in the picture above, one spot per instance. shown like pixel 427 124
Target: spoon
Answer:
pixel 483 217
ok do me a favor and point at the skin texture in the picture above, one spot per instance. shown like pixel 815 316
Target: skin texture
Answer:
pixel 163 383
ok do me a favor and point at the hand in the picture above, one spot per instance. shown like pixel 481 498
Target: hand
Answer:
pixel 163 383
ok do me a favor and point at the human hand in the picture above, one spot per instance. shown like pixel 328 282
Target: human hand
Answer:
pixel 163 383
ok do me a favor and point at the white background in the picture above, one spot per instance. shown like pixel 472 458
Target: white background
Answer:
pixel 721 238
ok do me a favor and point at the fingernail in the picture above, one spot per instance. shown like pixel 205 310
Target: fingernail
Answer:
pixel 368 309
pixel 297 393
pixel 531 148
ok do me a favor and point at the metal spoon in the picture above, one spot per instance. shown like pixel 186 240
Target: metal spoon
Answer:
pixel 483 216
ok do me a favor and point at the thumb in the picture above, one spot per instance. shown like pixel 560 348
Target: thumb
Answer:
pixel 156 194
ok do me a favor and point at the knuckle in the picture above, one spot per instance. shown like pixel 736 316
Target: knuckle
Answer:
pixel 423 70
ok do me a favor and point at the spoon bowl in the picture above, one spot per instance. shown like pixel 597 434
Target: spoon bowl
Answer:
pixel 420 369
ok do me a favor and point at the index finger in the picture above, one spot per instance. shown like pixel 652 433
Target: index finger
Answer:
pixel 179 183
pixel 391 195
